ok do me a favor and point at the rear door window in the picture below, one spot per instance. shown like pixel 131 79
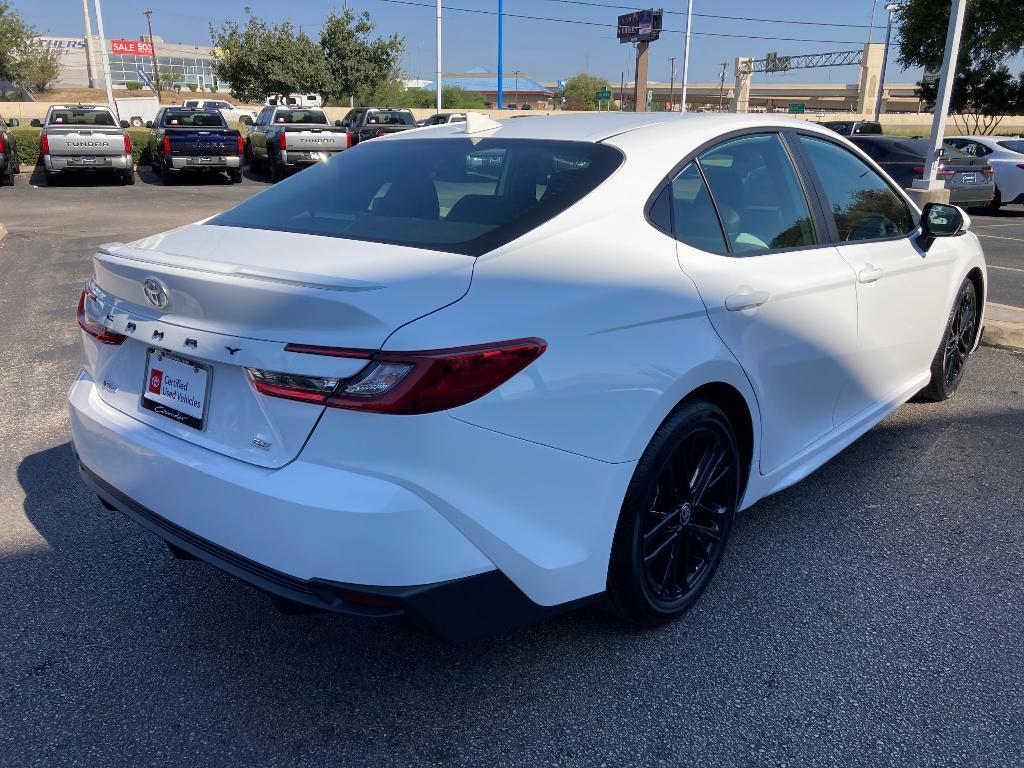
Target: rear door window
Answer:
pixel 758 194
pixel 459 195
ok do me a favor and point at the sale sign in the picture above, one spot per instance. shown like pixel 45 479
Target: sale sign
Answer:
pixel 137 47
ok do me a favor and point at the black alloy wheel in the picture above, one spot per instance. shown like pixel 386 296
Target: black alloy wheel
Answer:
pixel 677 516
pixel 957 343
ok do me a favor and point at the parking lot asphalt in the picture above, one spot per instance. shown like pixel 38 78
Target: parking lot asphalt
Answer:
pixel 871 615
pixel 1002 237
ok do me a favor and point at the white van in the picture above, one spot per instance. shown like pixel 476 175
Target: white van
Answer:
pixel 295 100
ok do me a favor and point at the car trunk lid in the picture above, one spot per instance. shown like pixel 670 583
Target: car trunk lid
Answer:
pixel 232 303
pixel 85 141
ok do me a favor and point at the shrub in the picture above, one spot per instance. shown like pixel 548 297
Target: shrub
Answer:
pixel 192 87
pixel 131 85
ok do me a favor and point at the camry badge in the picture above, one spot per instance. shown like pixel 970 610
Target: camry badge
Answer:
pixel 155 292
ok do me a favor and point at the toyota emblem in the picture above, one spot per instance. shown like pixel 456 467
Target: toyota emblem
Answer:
pixel 155 293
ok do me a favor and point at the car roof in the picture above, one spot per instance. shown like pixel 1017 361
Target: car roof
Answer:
pixel 596 127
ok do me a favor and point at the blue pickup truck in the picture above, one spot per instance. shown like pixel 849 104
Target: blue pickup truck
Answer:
pixel 183 139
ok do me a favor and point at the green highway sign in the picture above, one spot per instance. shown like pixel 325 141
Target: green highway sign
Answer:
pixel 797 108
pixel 604 95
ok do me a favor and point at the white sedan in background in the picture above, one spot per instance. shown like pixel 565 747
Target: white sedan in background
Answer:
pixel 232 112
pixel 478 373
pixel 1006 156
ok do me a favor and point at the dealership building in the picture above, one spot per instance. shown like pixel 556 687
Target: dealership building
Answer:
pixel 83 65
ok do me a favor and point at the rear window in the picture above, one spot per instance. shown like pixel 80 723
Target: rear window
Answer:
pixel 309 116
pixel 81 117
pixel 1017 145
pixel 390 118
pixel 195 119
pixel 465 196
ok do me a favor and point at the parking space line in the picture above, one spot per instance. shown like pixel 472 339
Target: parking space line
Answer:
pixel 1011 224
pixel 1000 237
pixel 1012 269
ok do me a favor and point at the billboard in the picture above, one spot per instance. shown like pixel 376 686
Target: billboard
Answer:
pixel 640 26
pixel 137 47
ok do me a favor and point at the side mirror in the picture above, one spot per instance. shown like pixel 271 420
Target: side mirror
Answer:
pixel 337 123
pixel 13 122
pixel 941 220
pixel 149 123
pixel 125 124
pixel 36 123
pixel 245 120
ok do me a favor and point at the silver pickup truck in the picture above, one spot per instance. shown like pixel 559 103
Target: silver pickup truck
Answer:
pixel 288 138
pixel 84 138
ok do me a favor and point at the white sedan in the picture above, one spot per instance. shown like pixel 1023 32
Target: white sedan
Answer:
pixel 478 373
pixel 1006 156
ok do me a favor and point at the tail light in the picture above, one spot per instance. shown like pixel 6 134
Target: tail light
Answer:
pixel 241 146
pixel 348 141
pixel 44 145
pixel 127 144
pixel 282 140
pixel 2 149
pixel 99 332
pixel 941 172
pixel 167 145
pixel 405 382
pixel 1021 166
pixel 988 171
pixel 379 133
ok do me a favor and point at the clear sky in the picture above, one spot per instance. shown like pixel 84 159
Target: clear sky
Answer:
pixel 546 49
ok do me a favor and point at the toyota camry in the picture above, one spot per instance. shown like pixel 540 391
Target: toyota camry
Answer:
pixel 481 372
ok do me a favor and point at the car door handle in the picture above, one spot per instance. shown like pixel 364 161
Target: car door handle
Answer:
pixel 869 274
pixel 738 301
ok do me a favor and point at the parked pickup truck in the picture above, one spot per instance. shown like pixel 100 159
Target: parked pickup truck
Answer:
pixel 9 164
pixel 84 138
pixel 370 122
pixel 194 140
pixel 288 138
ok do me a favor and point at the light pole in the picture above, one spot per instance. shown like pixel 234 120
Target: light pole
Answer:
pixel 90 65
pixel 671 83
pixel 721 85
pixel 152 50
pixel 501 43
pixel 438 43
pixel 885 58
pixel 105 59
pixel 517 73
pixel 686 58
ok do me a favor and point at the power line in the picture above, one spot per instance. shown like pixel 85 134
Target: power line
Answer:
pixel 726 18
pixel 607 25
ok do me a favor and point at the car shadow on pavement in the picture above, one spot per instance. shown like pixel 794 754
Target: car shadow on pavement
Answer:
pixel 37 178
pixel 816 578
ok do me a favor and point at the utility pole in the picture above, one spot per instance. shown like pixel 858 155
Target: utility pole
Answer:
pixel 686 57
pixel 671 83
pixel 945 90
pixel 105 60
pixel 440 86
pixel 721 85
pixel 885 59
pixel 90 65
pixel 152 50
pixel 501 43
pixel 517 73
pixel 622 88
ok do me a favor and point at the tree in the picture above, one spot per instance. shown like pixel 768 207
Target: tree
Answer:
pixel 261 59
pixel 356 65
pixel 984 89
pixel 39 67
pixel 17 40
pixel 581 91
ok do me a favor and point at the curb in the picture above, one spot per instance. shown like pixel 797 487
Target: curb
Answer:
pixel 1004 327
pixel 3 235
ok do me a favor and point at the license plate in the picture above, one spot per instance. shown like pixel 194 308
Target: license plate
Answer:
pixel 87 160
pixel 176 388
pixel 969 178
pixel 205 160
pixel 319 157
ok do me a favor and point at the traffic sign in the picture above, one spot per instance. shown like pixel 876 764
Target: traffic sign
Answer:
pixel 797 108
pixel 561 85
pixel 604 95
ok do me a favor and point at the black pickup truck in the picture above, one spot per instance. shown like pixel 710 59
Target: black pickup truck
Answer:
pixel 370 122
pixel 194 140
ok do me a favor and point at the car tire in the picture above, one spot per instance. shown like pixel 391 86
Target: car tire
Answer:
pixel 992 209
pixel 128 178
pixel 235 174
pixel 957 343
pixel 7 180
pixel 276 169
pixel 136 122
pixel 676 516
pixel 166 176
pixel 51 178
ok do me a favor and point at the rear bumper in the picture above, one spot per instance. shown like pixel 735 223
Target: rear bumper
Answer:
pixel 401 512
pixel 219 164
pixel 459 610
pixel 969 197
pixel 293 158
pixel 58 164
